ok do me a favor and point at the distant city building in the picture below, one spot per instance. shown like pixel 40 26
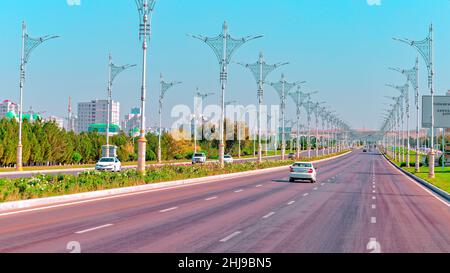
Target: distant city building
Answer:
pixel 448 93
pixel 10 107
pixel 95 112
pixel 59 121
pixel 132 122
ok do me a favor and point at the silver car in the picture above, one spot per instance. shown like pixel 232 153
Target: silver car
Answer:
pixel 199 158
pixel 303 171
pixel 109 164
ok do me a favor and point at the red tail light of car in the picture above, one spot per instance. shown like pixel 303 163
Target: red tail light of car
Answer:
pixel 310 171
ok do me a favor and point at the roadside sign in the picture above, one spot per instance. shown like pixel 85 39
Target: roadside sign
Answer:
pixel 441 111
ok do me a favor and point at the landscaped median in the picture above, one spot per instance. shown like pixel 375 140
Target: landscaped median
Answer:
pixel 441 181
pixel 58 185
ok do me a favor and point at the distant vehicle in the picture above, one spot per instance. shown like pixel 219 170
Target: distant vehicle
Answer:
pixel 303 171
pixel 199 158
pixel 228 159
pixel 291 156
pixel 365 151
pixel 109 164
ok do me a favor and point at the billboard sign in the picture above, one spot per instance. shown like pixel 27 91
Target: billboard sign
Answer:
pixel 441 111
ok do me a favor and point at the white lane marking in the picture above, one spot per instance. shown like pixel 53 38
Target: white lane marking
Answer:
pixel 238 191
pixel 268 215
pixel 316 188
pixel 290 203
pixel 374 186
pixel 211 198
pixel 306 194
pixel 231 236
pixel 373 220
pixel 374 246
pixel 374 191
pixel 169 209
pixel 323 184
pixel 257 186
pixel 374 197
pixel 374 206
pixel 92 229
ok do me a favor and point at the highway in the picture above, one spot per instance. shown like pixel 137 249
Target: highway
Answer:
pixel 361 204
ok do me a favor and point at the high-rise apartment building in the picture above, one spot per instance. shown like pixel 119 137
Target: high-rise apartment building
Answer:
pixel 96 112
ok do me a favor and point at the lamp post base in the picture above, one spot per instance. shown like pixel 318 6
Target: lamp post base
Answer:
pixel 431 173
pixel 221 155
pixel 19 165
pixel 283 152
pixel 417 165
pixel 142 144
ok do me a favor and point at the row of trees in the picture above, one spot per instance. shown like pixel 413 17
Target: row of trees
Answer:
pixel 44 143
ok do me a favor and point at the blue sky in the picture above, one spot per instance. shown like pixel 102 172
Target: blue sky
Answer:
pixel 342 48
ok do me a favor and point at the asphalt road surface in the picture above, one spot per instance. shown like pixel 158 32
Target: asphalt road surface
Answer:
pixel 360 204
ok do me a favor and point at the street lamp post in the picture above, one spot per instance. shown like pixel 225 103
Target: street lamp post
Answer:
pixel 260 71
pixel 145 10
pixel 28 45
pixel 165 86
pixel 299 97
pixel 197 115
pixel 224 46
pixel 113 72
pixel 404 91
pixel 412 76
pixel 316 115
pixel 425 48
pixel 283 87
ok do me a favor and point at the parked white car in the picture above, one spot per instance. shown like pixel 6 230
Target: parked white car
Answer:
pixel 303 171
pixel 109 164
pixel 199 158
pixel 228 159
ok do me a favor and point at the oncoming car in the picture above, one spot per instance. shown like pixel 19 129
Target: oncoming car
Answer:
pixel 228 159
pixel 199 158
pixel 303 171
pixel 109 164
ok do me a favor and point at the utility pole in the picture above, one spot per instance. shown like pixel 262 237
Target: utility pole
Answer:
pixel 425 48
pixel 28 45
pixel 165 86
pixel 145 10
pixel 223 46
pixel 113 72
pixel 260 71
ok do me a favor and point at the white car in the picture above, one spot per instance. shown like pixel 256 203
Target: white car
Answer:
pixel 303 171
pixel 109 164
pixel 228 159
pixel 199 158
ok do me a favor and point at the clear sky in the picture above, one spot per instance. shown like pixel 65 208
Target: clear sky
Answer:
pixel 342 48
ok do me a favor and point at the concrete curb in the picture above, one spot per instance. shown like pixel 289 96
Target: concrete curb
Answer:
pixel 17 205
pixel 441 193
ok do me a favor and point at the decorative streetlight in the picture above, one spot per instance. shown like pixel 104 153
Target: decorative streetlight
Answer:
pixel 425 48
pixel 28 45
pixel 113 72
pixel 299 97
pixel 316 107
pixel 412 76
pixel 198 115
pixel 309 111
pixel 260 71
pixel 165 86
pixel 283 88
pixel 404 91
pixel 145 10
pixel 224 46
